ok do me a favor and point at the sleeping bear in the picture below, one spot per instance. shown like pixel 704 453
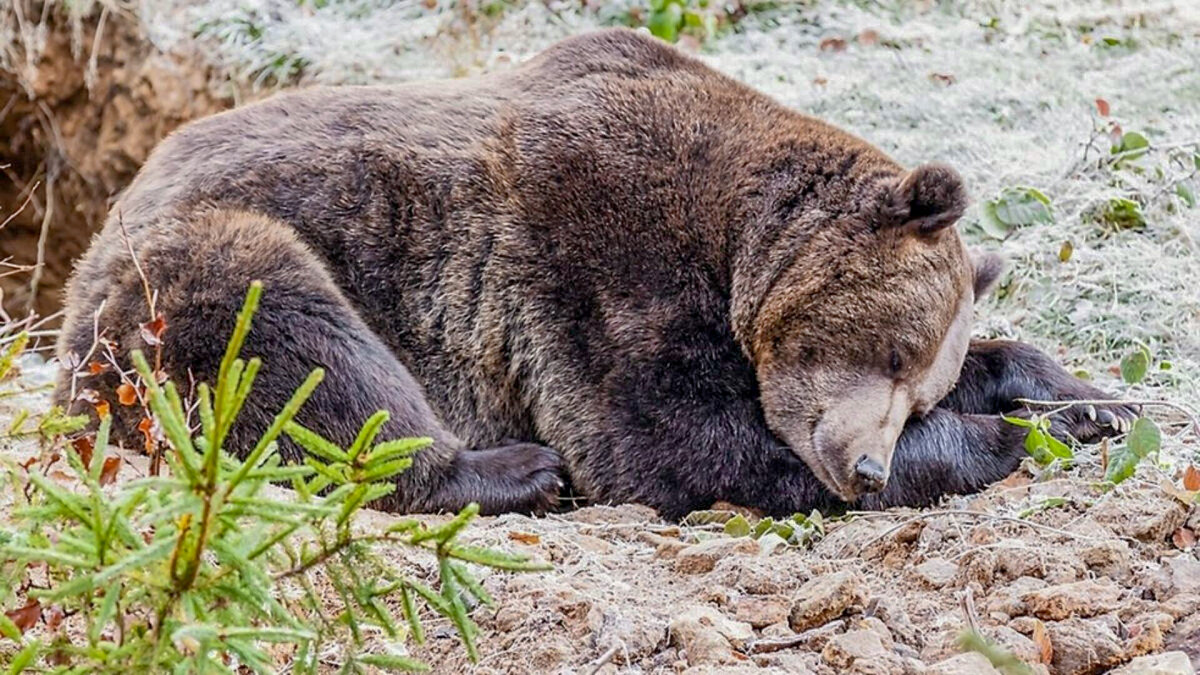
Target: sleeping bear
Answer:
pixel 612 266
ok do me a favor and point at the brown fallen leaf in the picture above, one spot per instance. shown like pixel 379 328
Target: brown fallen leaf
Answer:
pixel 1191 478
pixel 868 37
pixel 945 78
pixel 832 44
pixel 84 446
pixel 146 426
pixel 820 81
pixel 524 537
pixel 26 617
pixel 126 394
pixel 97 367
pixel 1185 497
pixel 1183 538
pixel 152 330
pixel 108 473
pixel 1042 640
pixel 102 409
pixel 1102 107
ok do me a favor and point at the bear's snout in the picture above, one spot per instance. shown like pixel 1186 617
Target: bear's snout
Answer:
pixel 870 475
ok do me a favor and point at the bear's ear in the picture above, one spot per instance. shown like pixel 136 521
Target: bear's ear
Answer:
pixel 927 199
pixel 988 268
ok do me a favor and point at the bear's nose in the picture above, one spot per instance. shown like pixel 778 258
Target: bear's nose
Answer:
pixel 870 474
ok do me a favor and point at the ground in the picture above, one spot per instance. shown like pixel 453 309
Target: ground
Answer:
pixel 1063 572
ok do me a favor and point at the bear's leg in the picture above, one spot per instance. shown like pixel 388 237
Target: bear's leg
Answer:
pixel 949 453
pixel 997 373
pixel 201 270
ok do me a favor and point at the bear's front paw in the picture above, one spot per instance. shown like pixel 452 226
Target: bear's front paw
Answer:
pixel 522 477
pixel 1088 423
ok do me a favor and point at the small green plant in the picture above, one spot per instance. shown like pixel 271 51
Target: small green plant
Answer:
pixel 1041 445
pixel 1015 207
pixel 1135 365
pixel 1144 440
pixel 203 571
pixel 1123 214
pixel 797 530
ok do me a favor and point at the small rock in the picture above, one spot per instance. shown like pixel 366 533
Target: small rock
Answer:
pixel 1148 515
pixel 708 637
pixel 825 598
pixel 1083 646
pixel 964 664
pixel 843 650
pixel 1185 573
pixel 703 557
pixel 1020 646
pixel 1167 663
pixel 761 610
pixel 1081 598
pixel 936 572
pixel 1110 558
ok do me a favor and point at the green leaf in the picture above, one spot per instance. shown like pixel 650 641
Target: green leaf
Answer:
pixel 24 658
pixel 1038 447
pixel 1134 366
pixel 1132 145
pixel 1123 214
pixel 1020 421
pixel 737 526
pixel 1186 194
pixel 664 23
pixel 1016 207
pixel 1144 439
pixel 9 629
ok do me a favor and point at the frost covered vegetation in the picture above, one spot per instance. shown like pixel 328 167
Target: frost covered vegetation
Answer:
pixel 1077 127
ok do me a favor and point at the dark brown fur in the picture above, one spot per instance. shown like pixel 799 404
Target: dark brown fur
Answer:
pixel 602 252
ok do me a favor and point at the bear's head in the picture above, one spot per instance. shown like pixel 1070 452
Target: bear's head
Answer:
pixel 866 324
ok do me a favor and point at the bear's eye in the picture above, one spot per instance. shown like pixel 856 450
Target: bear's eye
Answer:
pixel 895 363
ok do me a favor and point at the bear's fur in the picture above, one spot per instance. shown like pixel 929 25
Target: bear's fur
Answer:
pixel 687 291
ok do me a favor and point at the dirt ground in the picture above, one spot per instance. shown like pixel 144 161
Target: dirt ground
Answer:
pixel 1068 577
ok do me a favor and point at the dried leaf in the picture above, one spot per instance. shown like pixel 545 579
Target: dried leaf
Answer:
pixel 126 394
pixel 820 81
pixel 1185 497
pixel 146 426
pixel 109 472
pixel 833 44
pixel 97 367
pixel 944 78
pixel 525 537
pixel 1191 478
pixel 1042 640
pixel 84 446
pixel 26 617
pixel 88 395
pixel 102 409
pixel 868 37
pixel 1184 538
pixel 1102 107
pixel 152 330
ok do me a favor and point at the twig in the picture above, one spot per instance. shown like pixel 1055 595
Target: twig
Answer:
pixel 14 214
pixel 595 666
pixel 967 602
pixel 1144 402
pixel 40 263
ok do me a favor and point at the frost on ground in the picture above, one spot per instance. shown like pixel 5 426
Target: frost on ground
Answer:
pixel 1063 574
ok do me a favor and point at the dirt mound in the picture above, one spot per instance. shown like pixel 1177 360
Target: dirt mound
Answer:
pixel 82 102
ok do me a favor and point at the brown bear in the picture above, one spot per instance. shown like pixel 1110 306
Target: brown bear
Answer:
pixel 611 257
